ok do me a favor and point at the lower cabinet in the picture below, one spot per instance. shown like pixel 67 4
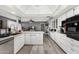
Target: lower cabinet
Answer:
pixel 18 42
pixel 27 38
pixel 75 46
pixel 33 38
pixel 69 45
pixel 7 48
pixel 36 39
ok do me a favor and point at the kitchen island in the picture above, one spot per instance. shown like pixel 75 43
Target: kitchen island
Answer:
pixel 18 42
pixel 12 44
pixel 27 38
pixel 34 38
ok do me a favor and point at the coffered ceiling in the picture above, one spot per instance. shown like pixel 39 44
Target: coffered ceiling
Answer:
pixel 36 10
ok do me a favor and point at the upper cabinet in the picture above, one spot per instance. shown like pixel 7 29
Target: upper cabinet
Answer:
pixel 76 10
pixel 70 13
pixel 61 18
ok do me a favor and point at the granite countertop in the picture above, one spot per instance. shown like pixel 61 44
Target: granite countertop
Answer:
pixel 6 39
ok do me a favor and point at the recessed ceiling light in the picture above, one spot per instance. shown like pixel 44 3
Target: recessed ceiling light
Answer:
pixel 13 12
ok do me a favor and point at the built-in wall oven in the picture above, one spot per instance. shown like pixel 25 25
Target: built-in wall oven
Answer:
pixel 73 27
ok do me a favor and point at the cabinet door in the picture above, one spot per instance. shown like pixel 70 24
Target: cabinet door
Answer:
pixel 64 42
pixel 27 38
pixel 39 38
pixel 22 39
pixel 36 38
pixel 33 39
pixel 76 11
pixel 75 46
pixel 18 42
pixel 70 13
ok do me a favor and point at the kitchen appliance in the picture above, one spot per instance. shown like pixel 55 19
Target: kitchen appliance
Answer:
pixel 73 27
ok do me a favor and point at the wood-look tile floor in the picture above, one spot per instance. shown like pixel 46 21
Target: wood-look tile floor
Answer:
pixel 49 47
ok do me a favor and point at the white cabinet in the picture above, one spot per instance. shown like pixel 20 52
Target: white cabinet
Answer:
pixel 27 38
pixel 70 13
pixel 69 45
pixel 7 48
pixel 75 46
pixel 18 42
pixel 34 38
pixel 76 11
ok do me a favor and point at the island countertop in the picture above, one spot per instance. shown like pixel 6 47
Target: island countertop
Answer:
pixel 33 32
pixel 6 39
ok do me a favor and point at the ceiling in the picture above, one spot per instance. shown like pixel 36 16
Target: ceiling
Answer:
pixel 36 10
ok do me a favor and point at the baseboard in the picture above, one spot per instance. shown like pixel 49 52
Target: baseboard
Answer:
pixel 33 44
pixel 20 49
